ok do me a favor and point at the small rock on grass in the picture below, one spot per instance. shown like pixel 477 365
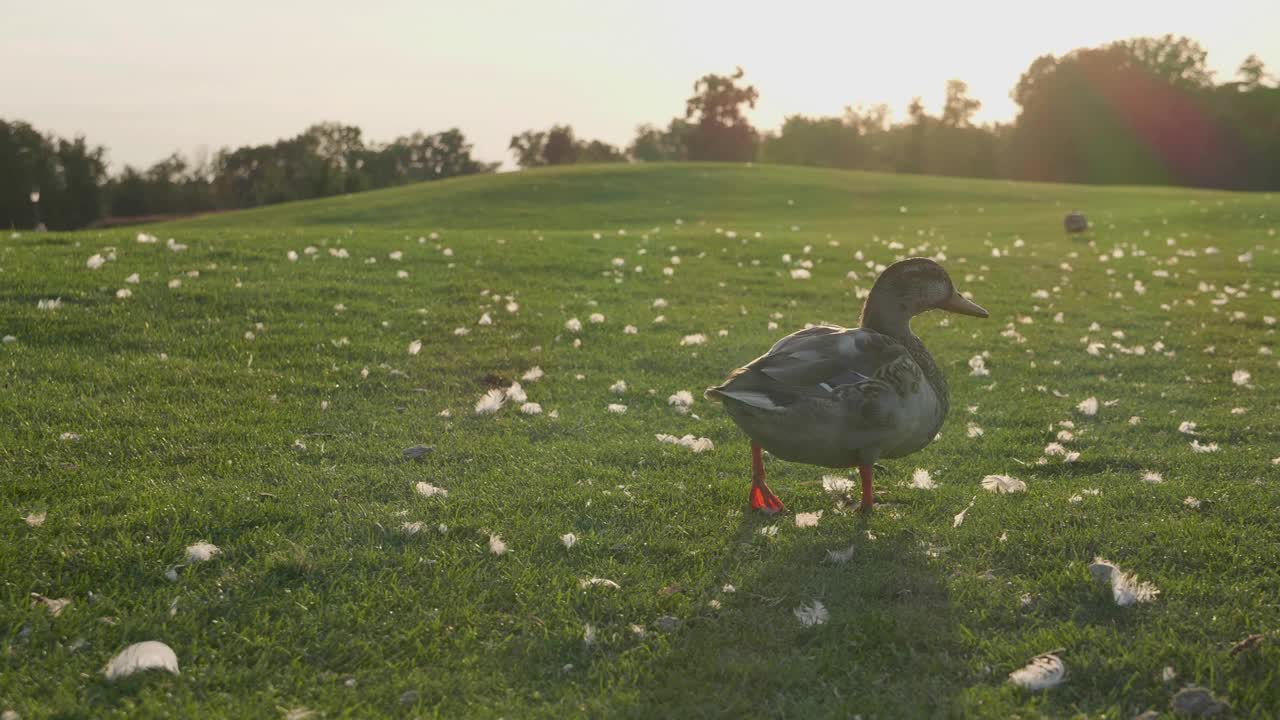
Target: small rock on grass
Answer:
pixel 1198 701
pixel 417 452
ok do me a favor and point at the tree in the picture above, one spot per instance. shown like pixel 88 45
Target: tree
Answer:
pixel 958 109
pixel 823 142
pixel 598 151
pixel 560 148
pixel 1178 61
pixel 1129 112
pixel 1252 73
pixel 27 164
pixel 419 157
pixel 329 156
pixel 66 174
pixel 527 148
pixel 653 144
pixel 720 131
pixel 913 159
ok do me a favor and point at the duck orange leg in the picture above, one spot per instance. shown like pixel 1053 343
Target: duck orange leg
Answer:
pixel 762 498
pixel 868 498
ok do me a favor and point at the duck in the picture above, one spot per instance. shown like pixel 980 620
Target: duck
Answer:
pixel 842 397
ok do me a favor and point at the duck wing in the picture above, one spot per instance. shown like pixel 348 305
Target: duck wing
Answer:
pixel 826 393
pixel 818 360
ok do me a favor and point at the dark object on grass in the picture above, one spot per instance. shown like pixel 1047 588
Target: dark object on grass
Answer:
pixel 668 623
pixel 417 452
pixel 1075 222
pixel 1247 644
pixel 1198 701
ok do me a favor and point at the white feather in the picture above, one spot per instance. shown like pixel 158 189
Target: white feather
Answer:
pixel 428 490
pixel 496 545
pixel 959 518
pixel 836 485
pixel 596 582
pixel 1003 484
pixel 55 606
pixel 813 614
pixel 806 520
pixel 149 655
pixel 841 556
pixel 491 402
pixel 1043 672
pixel 516 393
pixel 921 479
pixel 1126 589
pixel 202 552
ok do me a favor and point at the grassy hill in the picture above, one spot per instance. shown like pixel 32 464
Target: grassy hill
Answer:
pixel 619 196
pixel 239 396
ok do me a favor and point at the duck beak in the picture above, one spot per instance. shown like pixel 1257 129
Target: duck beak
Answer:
pixel 958 304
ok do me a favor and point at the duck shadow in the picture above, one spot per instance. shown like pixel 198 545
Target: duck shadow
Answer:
pixel 887 648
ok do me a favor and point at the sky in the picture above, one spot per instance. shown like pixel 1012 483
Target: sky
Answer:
pixel 146 78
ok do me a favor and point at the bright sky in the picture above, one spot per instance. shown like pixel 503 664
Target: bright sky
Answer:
pixel 148 77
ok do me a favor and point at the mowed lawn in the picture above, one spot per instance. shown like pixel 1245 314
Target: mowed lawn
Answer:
pixel 262 404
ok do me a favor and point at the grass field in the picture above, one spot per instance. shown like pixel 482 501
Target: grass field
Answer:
pixel 262 404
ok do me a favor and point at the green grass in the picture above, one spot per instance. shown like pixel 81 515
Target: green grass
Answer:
pixel 188 429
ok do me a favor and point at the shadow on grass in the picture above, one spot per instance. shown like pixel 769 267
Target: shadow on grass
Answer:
pixel 886 650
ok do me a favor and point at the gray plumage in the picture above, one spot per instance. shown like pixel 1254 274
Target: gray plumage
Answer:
pixel 839 397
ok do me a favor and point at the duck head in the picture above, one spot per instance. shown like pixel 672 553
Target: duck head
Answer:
pixel 910 287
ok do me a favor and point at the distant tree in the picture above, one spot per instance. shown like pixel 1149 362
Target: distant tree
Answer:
pixel 560 148
pixel 1178 61
pixel 81 172
pixel 527 148
pixel 873 124
pixel 720 131
pixel 1252 73
pixel 329 155
pixel 127 193
pixel 959 108
pixel 1130 112
pixel 1250 111
pixel 823 142
pixel 420 157
pixel 26 165
pixel 66 174
pixel 598 151
pixel 913 158
pixel 653 144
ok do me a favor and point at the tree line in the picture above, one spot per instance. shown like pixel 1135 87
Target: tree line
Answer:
pixel 1138 111
pixel 64 184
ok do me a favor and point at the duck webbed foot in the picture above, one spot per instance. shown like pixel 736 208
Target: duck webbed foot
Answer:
pixel 761 497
